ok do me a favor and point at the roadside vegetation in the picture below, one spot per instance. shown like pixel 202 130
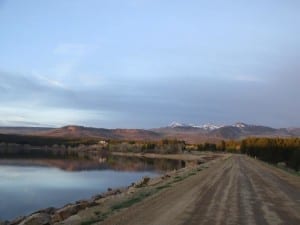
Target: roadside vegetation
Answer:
pixel 279 151
pixel 282 152
pixel 142 193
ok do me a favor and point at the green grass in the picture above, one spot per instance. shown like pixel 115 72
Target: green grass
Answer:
pixel 180 178
pixel 97 213
pixel 163 187
pixel 191 174
pixel 100 218
pixel 289 170
pixel 177 179
pixel 131 201
pixel 89 222
pixel 284 168
pixel 138 198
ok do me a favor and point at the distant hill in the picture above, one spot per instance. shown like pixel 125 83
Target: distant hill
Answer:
pixel 236 132
pixel 119 134
pixel 211 132
pixel 294 131
pixel 189 133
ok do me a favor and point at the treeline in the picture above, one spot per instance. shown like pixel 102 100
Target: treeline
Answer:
pixel 45 141
pixel 228 146
pixel 21 146
pixel 274 150
pixel 165 146
pixel 37 146
pixel 285 151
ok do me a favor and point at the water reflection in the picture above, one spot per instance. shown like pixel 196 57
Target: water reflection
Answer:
pixel 112 162
pixel 27 185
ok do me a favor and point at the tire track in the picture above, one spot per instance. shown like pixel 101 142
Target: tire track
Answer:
pixel 239 190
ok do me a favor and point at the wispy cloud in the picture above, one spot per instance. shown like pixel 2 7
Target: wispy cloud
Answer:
pixel 147 71
pixel 72 49
pixel 47 81
pixel 64 69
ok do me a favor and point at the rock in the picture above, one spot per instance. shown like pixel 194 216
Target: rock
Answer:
pixel 132 185
pixel 65 212
pixel 96 198
pixel 199 162
pixel 143 182
pixel 281 164
pixel 112 192
pixel 17 220
pixel 166 176
pixel 92 203
pixel 82 203
pixel 131 190
pixel 4 222
pixel 37 219
pixel 118 191
pixel 69 210
pixel 50 210
pixel 56 218
pixel 72 220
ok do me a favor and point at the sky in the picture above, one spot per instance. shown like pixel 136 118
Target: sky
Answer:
pixel 146 63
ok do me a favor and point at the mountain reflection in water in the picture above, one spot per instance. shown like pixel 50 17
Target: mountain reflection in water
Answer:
pixel 28 184
pixel 110 162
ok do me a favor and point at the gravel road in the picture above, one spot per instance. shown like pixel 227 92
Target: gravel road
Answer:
pixel 237 191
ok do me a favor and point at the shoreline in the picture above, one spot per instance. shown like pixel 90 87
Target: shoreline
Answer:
pixel 100 206
pixel 182 156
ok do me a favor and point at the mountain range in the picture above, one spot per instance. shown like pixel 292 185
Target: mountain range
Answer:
pixel 188 132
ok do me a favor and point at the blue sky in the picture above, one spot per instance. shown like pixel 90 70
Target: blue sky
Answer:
pixel 145 63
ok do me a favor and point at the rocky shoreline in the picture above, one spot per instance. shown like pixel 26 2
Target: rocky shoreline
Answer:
pixel 53 215
pixel 100 206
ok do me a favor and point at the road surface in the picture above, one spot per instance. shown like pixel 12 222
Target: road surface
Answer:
pixel 237 191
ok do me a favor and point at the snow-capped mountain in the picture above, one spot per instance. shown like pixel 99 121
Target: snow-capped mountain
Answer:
pixel 177 124
pixel 208 126
pixel 211 126
pixel 240 125
pixel 188 132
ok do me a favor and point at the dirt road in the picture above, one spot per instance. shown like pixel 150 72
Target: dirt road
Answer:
pixel 237 191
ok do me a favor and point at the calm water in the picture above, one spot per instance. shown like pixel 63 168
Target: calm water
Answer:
pixel 29 185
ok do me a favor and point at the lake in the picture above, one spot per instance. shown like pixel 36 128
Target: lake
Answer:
pixel 32 184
